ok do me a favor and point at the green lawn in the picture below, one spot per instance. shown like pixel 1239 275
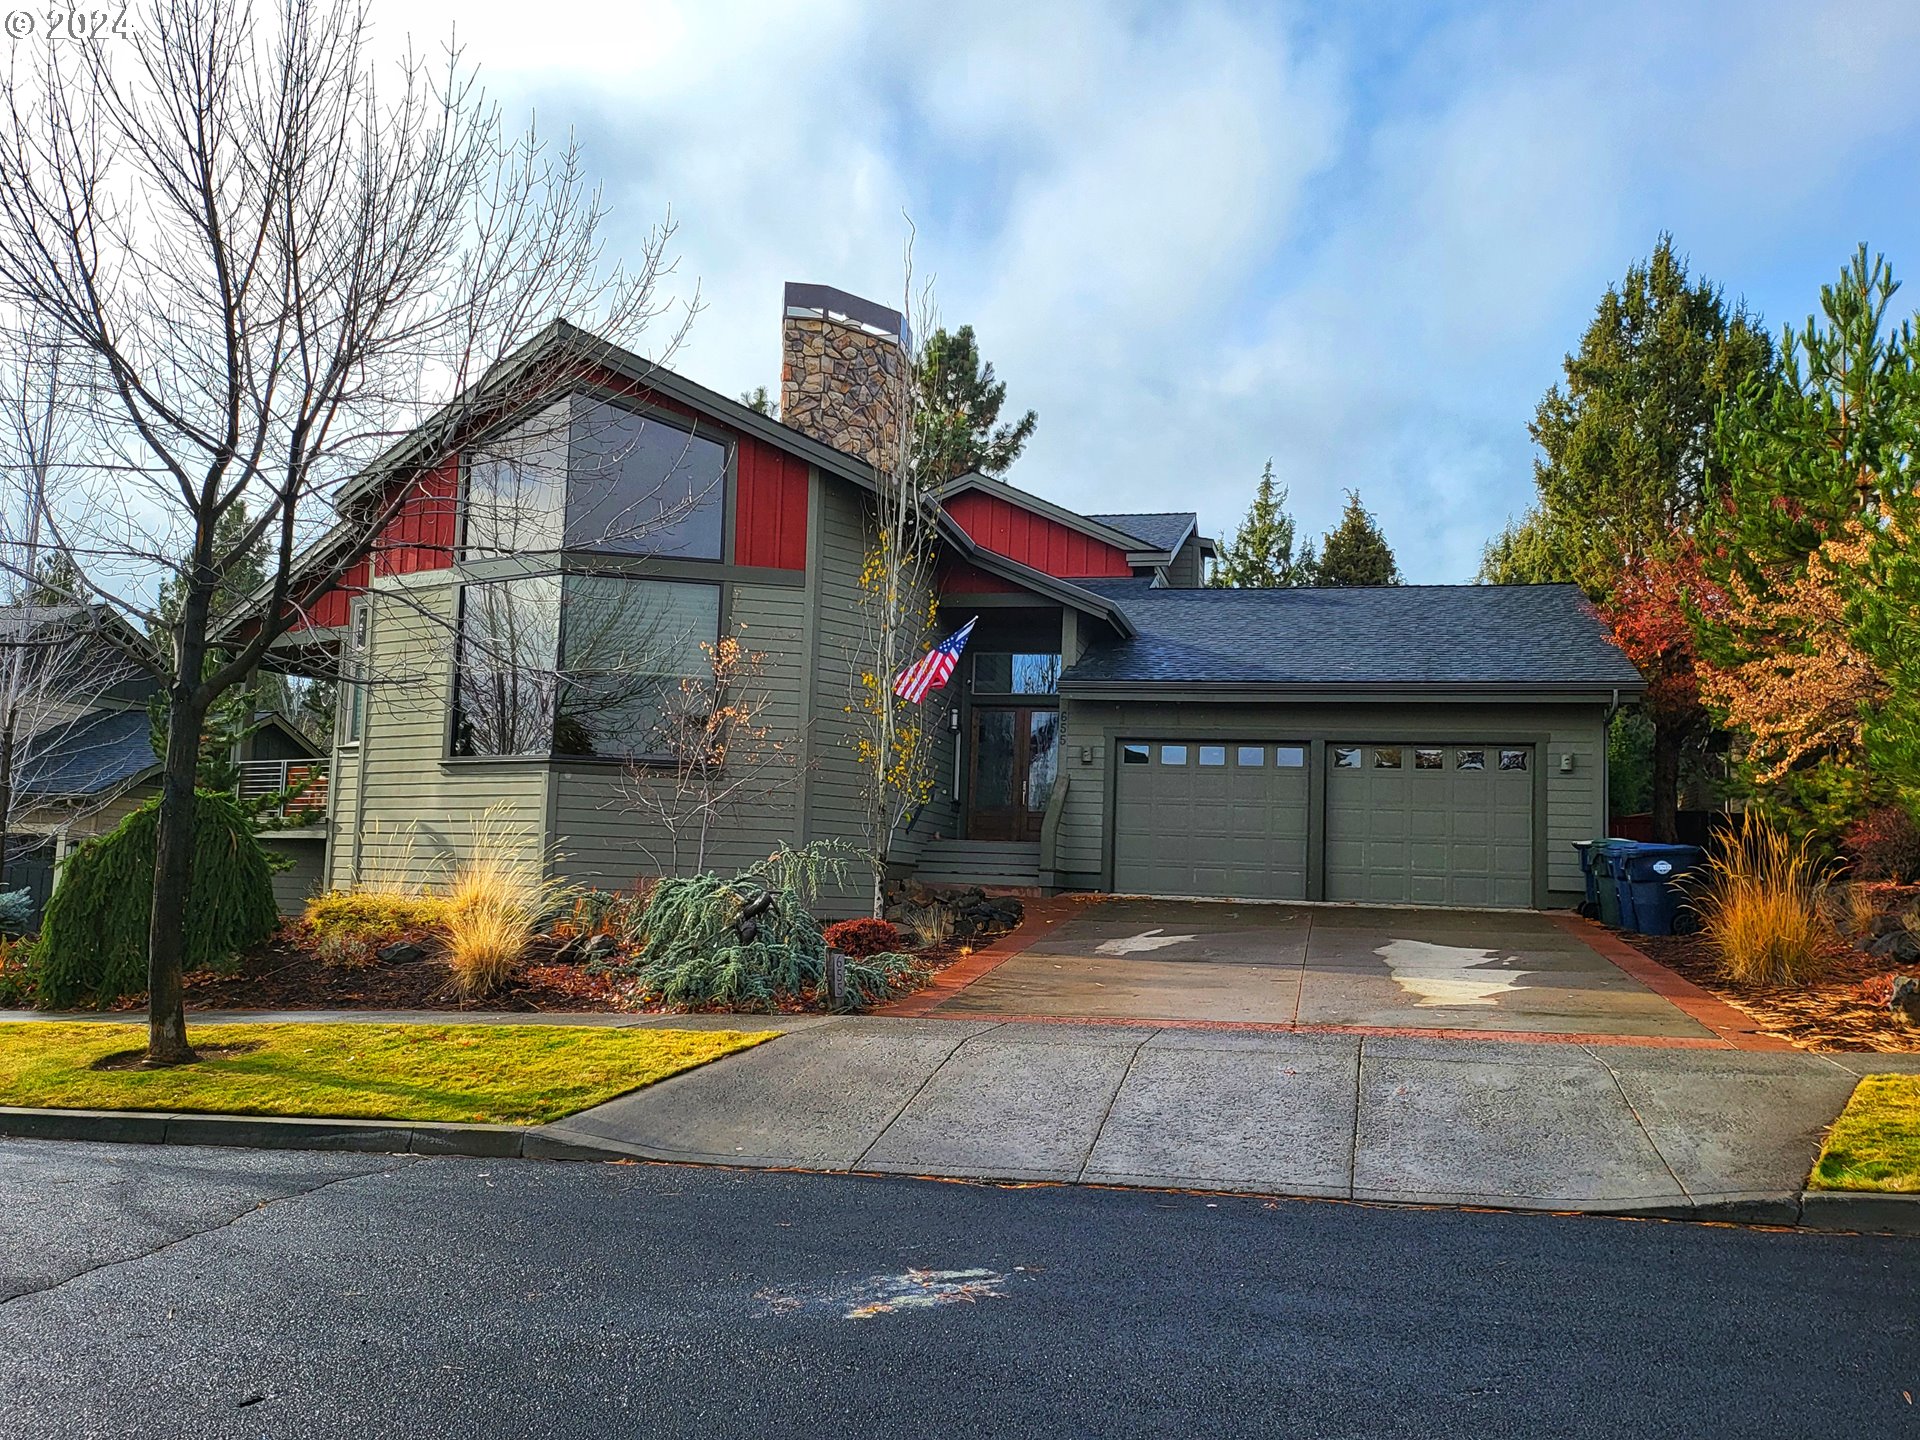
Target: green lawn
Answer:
pixel 511 1074
pixel 1875 1144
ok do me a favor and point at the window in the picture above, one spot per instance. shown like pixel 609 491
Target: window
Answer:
pixel 585 475
pixel 1472 760
pixel 1387 759
pixel 642 486
pixel 1016 673
pixel 1513 759
pixel 1135 754
pixel 1426 760
pixel 1346 757
pixel 1173 754
pixel 576 665
pixel 1213 755
pixel 1250 757
pixel 353 693
pixel 1291 757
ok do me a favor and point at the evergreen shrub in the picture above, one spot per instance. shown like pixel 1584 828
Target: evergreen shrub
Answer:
pixel 93 939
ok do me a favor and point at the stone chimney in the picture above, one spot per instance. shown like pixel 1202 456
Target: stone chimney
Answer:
pixel 843 371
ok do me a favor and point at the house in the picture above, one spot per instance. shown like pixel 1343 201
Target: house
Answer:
pixel 1113 726
pixel 74 719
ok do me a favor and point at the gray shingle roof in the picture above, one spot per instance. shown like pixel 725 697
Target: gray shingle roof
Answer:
pixel 1160 530
pixel 98 751
pixel 1523 635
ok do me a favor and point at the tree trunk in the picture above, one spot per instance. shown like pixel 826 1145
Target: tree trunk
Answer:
pixel 6 793
pixel 1666 782
pixel 173 847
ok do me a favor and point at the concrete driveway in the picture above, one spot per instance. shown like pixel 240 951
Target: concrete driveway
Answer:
pixel 1312 966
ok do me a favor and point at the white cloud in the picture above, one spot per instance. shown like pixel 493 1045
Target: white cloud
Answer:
pixel 1194 236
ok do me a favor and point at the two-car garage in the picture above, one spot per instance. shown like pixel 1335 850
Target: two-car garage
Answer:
pixel 1392 822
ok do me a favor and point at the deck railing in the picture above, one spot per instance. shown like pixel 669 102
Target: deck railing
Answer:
pixel 269 777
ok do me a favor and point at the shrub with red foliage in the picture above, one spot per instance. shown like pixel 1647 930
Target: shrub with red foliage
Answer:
pixel 861 938
pixel 1883 844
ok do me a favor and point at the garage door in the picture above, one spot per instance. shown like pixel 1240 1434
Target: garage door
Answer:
pixel 1430 824
pixel 1211 817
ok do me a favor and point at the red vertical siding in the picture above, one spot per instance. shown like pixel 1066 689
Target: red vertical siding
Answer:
pixel 770 511
pixel 420 536
pixel 329 608
pixel 959 578
pixel 1019 534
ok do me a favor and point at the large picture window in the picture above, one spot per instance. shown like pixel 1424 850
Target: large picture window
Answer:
pixel 998 672
pixel 586 475
pixel 576 666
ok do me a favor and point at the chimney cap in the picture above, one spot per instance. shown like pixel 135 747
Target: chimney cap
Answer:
pixel 827 303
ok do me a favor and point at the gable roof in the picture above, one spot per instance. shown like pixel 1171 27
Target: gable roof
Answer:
pixel 102 749
pixel 1490 637
pixel 1156 530
pixel 1139 550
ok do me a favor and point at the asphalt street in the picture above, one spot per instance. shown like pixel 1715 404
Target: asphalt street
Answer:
pixel 179 1292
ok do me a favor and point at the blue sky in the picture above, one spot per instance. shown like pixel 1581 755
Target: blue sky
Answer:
pixel 1355 238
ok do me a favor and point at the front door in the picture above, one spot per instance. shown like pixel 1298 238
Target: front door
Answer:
pixel 1015 758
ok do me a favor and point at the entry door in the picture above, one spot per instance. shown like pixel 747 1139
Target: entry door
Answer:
pixel 1015 758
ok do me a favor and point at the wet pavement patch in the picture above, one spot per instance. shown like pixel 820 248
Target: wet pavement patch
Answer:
pixel 891 1294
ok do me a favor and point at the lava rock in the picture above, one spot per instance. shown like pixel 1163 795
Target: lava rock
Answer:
pixel 594 949
pixel 1902 945
pixel 1905 1001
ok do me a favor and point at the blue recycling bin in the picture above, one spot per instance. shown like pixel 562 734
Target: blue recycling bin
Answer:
pixel 1602 886
pixel 1650 900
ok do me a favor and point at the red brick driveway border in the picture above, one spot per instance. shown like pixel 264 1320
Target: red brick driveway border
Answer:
pixel 1042 916
pixel 1731 1029
pixel 1740 1030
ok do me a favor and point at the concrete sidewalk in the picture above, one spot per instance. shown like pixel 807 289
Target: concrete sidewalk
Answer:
pixel 1614 1128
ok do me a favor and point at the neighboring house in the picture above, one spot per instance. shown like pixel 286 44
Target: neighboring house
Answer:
pixel 1113 725
pixel 83 752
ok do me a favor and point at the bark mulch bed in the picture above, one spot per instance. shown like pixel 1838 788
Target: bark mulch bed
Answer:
pixel 1846 1009
pixel 288 976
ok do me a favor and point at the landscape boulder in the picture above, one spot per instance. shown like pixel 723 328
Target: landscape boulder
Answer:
pixel 1906 998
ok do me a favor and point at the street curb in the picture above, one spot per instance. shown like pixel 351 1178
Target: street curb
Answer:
pixel 280 1132
pixel 1871 1211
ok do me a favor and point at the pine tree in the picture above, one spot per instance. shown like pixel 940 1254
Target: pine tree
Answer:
pixel 956 429
pixel 1626 441
pixel 1260 556
pixel 759 400
pixel 1354 552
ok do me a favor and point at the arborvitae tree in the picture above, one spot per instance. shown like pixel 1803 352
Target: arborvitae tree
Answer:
pixel 1354 552
pixel 1260 556
pixel 956 429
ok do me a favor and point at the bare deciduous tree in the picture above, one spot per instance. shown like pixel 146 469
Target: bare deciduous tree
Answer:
pixel 717 755
pixel 268 260
pixel 894 740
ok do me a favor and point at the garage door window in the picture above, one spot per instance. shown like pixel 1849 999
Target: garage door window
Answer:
pixel 1173 754
pixel 1133 755
pixel 1346 757
pixel 1290 757
pixel 1250 757
pixel 1213 754
pixel 1473 760
pixel 1387 759
pixel 1513 759
pixel 1426 760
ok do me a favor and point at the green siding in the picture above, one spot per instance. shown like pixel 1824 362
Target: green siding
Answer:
pixel 422 812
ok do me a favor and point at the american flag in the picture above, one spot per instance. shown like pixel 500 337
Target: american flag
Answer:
pixel 931 670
